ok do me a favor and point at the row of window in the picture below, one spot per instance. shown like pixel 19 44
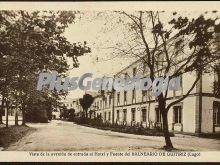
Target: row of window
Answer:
pixel 177 114
pixel 109 116
pixel 103 103
pixel 125 97
pixel 133 114
pixel 144 93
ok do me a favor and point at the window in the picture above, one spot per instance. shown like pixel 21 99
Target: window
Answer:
pixel 217 83
pixel 125 97
pixel 177 111
pixel 134 71
pixel 133 96
pixel 100 104
pixel 110 100
pixel 144 93
pixel 158 115
pixel 216 116
pixel 126 75
pixel 216 113
pixel 105 102
pixel 105 115
pixel 181 81
pixel 125 115
pixel 133 114
pixel 109 116
pixel 144 115
pixel 118 98
pixel 181 86
pixel 117 114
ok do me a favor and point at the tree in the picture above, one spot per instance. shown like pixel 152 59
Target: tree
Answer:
pixel 67 114
pixel 86 102
pixel 175 47
pixel 31 42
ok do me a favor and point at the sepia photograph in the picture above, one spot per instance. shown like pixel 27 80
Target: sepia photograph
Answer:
pixel 109 82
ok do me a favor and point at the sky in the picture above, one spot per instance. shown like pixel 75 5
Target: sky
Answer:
pixel 102 31
pixel 91 29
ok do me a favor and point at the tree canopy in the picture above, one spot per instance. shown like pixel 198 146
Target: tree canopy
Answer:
pixel 32 42
pixel 170 44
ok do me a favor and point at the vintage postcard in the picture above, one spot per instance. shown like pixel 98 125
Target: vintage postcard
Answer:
pixel 109 81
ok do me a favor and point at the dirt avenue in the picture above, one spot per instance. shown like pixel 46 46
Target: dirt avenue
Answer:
pixel 66 136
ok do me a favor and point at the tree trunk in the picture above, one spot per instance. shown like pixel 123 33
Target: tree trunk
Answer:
pixel 169 144
pixel 1 117
pixel 16 117
pixel 164 112
pixel 7 108
pixel 16 114
pixel 23 115
pixel 2 109
pixel 86 110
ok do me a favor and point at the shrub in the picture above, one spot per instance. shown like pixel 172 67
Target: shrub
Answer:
pixel 36 115
pixel 98 123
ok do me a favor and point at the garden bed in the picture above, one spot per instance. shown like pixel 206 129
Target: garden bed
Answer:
pixel 120 128
pixel 210 135
pixel 13 134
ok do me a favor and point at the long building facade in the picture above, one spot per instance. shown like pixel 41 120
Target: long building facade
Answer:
pixel 197 113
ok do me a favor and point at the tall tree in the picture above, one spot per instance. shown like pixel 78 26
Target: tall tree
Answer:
pixel 32 42
pixel 86 103
pixel 183 44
